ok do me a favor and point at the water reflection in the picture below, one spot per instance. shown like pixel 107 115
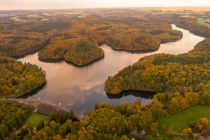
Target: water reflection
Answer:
pixel 136 93
pixel 79 88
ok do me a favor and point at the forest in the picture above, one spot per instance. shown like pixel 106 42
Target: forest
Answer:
pixel 137 35
pixel 84 52
pixel 55 34
pixel 188 72
pixel 79 51
pixel 13 123
pixel 12 117
pixel 18 46
pixel 181 82
pixel 17 79
pixel 108 122
pixel 193 21
pixel 192 24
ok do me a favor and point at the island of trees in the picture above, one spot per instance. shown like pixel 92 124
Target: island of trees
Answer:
pixel 78 51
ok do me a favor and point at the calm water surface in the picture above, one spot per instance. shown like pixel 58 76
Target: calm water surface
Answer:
pixel 79 88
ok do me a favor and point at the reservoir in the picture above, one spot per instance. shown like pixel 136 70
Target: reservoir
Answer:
pixel 80 88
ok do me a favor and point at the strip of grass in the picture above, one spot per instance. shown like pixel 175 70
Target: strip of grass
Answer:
pixel 181 120
pixel 34 119
pixel 203 22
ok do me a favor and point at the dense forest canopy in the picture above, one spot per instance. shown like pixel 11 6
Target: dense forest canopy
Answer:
pixel 26 33
pixel 13 124
pixel 119 32
pixel 18 46
pixel 166 73
pixel 131 30
pixel 12 117
pixel 108 122
pixel 76 50
pixel 84 52
pixel 17 79
pixel 182 82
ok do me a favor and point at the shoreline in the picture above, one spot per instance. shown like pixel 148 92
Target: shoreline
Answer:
pixel 49 60
pixel 87 64
pixel 33 50
pixel 59 60
pixel 136 51
pixel 136 93
pixel 29 93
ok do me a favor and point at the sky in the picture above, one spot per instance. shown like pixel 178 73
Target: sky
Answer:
pixel 60 4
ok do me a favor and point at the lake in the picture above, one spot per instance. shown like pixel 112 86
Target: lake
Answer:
pixel 80 88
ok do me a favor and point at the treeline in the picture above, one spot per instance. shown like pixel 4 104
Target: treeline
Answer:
pixel 47 26
pixel 56 49
pixel 192 25
pixel 107 122
pixel 55 127
pixel 164 73
pixel 84 52
pixel 201 126
pixel 135 121
pixel 187 20
pixel 132 38
pixel 138 35
pixel 19 46
pixel 13 116
pixel 130 30
pixel 120 30
pixel 30 34
pixel 17 79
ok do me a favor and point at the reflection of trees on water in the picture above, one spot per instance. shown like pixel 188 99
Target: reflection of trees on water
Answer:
pixel 136 93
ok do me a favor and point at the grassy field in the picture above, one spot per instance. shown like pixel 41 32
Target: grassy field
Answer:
pixel 34 119
pixel 204 22
pixel 181 120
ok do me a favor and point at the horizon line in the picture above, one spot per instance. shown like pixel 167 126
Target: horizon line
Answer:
pixel 114 7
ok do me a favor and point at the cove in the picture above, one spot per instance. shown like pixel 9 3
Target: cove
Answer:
pixel 80 88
